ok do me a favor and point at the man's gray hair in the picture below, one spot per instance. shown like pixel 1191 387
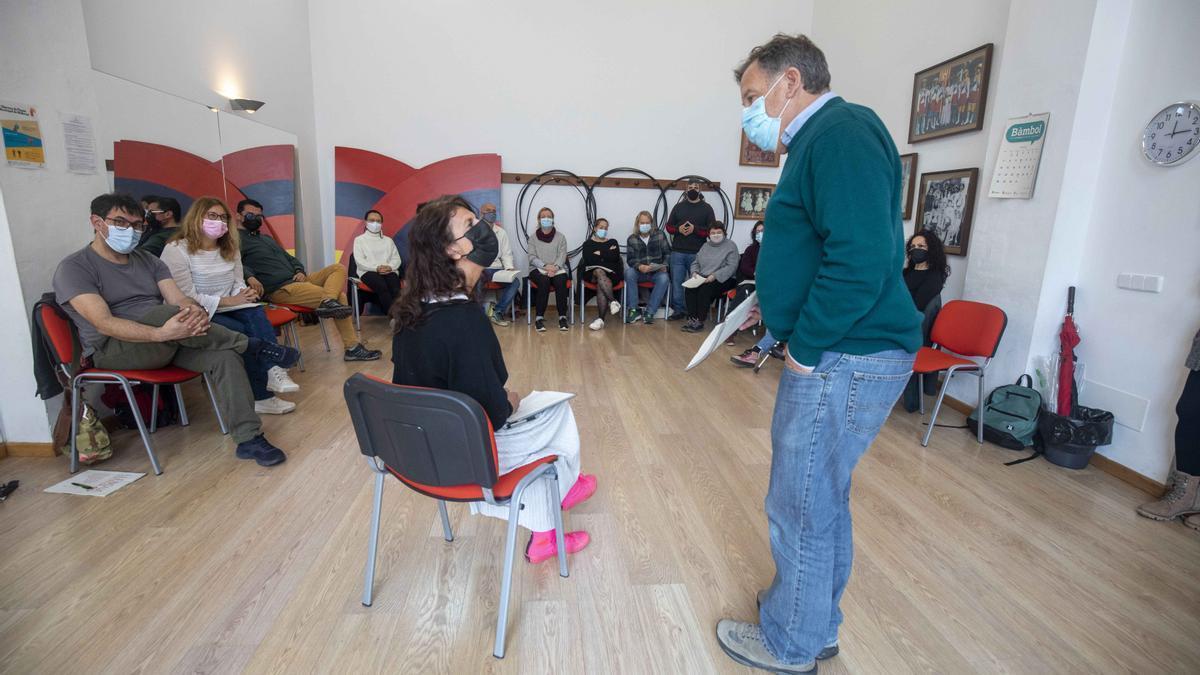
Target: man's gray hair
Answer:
pixel 785 51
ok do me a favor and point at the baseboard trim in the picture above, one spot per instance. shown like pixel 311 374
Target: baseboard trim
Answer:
pixel 1102 463
pixel 29 450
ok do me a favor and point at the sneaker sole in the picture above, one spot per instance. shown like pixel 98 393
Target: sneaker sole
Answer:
pixel 762 666
pixel 273 412
pixel 373 357
pixel 741 364
pixel 1165 519
pixel 261 462
pixel 283 389
pixel 335 313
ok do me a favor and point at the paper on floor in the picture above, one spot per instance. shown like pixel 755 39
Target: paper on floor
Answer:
pixel 101 483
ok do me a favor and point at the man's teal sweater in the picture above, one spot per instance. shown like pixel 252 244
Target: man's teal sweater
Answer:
pixel 829 271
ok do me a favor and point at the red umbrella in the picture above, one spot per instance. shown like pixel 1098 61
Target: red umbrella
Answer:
pixel 1068 339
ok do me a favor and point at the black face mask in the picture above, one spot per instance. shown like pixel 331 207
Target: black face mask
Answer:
pixel 918 255
pixel 693 194
pixel 251 221
pixel 485 245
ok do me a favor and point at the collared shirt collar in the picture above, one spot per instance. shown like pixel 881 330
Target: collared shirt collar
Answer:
pixel 794 128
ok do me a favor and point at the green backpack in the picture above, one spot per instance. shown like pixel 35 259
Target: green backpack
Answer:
pixel 1010 415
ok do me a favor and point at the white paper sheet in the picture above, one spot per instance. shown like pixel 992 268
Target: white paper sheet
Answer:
pixel 725 329
pixel 695 281
pixel 536 402
pixel 93 483
pixel 505 276
pixel 80 144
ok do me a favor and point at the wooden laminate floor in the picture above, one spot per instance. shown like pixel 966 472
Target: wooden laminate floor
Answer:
pixel 962 565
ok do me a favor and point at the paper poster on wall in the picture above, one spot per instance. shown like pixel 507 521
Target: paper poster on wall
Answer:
pixel 22 136
pixel 1020 154
pixel 80 143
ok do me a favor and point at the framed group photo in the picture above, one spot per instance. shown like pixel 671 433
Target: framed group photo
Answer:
pixel 752 155
pixel 750 200
pixel 908 183
pixel 946 205
pixel 949 98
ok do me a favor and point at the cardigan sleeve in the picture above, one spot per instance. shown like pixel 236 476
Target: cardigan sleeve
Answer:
pixel 176 260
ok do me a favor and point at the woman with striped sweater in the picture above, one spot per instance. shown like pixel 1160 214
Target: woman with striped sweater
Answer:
pixel 204 259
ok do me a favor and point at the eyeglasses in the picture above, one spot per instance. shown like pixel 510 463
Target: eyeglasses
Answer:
pixel 137 225
pixel 213 215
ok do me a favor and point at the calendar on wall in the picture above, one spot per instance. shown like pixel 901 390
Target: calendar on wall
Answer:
pixel 1020 154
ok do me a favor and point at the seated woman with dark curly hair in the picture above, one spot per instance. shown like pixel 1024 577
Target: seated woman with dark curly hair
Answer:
pixel 443 341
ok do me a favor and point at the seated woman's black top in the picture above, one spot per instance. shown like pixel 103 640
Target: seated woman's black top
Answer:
pixel 924 285
pixel 606 254
pixel 454 348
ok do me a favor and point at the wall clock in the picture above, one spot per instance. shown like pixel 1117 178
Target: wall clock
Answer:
pixel 1173 135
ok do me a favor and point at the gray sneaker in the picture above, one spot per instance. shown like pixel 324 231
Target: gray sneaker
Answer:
pixel 744 643
pixel 827 652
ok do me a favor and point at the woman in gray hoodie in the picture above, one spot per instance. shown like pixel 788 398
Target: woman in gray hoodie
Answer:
pixel 716 263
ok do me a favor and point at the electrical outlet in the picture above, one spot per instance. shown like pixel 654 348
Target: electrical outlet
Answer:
pixel 1124 280
pixel 1147 283
pixel 1153 283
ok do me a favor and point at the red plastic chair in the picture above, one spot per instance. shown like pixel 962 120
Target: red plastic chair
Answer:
pixel 962 329
pixel 591 286
pixel 64 345
pixel 284 320
pixel 301 309
pixel 529 286
pixel 440 444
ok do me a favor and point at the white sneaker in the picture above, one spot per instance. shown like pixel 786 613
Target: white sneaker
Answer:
pixel 597 324
pixel 274 406
pixel 280 382
pixel 614 307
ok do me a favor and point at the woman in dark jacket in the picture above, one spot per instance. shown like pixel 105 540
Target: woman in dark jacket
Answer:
pixel 600 264
pixel 925 274
pixel 443 340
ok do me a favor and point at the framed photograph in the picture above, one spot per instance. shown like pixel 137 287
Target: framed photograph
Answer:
pixel 908 169
pixel 750 201
pixel 949 98
pixel 946 206
pixel 752 155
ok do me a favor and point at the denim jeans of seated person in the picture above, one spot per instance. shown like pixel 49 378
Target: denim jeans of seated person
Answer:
pixel 823 423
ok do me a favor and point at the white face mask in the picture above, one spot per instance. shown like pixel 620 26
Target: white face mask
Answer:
pixel 716 238
pixel 644 228
pixel 374 226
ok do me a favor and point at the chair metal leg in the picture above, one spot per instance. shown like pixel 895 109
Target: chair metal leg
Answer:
pixel 937 407
pixel 354 302
pixel 560 535
pixel 76 391
pixel 294 337
pixel 372 547
pixel 324 335
pixel 141 425
pixel 212 396
pixel 528 303
pixel 921 393
pixel 762 360
pixel 154 409
pixel 510 545
pixel 183 418
pixel 446 531
pixel 582 307
pixel 982 388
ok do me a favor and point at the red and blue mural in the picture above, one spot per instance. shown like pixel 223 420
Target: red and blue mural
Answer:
pixel 266 174
pixel 368 180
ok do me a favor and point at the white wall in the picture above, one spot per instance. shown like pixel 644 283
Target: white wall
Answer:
pixel 582 87
pixel 1146 219
pixel 214 50
pixel 875 48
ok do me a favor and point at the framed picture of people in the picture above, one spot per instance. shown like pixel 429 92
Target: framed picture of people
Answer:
pixel 908 170
pixel 750 200
pixel 946 205
pixel 949 98
pixel 752 155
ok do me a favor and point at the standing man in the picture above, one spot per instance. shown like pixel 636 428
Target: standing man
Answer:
pixel 278 276
pixel 688 224
pixel 829 284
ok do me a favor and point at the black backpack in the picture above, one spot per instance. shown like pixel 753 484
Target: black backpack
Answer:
pixel 1011 415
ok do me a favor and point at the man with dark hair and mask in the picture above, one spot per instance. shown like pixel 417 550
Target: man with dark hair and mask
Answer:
pixel 688 225
pixel 276 275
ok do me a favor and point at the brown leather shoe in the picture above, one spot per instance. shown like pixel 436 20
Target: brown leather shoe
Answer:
pixel 1182 499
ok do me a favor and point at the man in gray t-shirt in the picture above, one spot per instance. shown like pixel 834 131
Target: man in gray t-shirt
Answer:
pixel 132 316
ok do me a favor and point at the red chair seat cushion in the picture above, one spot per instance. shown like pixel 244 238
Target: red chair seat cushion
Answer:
pixel 592 286
pixel 167 375
pixel 278 316
pixel 930 360
pixel 364 287
pixel 503 488
pixel 299 309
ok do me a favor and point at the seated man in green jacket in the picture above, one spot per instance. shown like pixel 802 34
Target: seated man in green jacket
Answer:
pixel 278 276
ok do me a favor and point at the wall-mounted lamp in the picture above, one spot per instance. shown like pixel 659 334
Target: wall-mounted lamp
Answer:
pixel 247 104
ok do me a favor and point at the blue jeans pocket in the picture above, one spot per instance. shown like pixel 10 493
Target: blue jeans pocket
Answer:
pixel 871 399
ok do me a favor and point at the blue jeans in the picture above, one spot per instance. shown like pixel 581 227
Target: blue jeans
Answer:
pixel 634 277
pixel 505 297
pixel 251 321
pixel 822 425
pixel 681 268
pixel 767 341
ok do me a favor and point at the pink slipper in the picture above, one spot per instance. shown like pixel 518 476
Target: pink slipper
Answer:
pixel 543 545
pixel 584 487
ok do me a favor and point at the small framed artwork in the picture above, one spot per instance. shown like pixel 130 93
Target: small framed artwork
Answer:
pixel 908 170
pixel 752 155
pixel 949 98
pixel 946 205
pixel 750 200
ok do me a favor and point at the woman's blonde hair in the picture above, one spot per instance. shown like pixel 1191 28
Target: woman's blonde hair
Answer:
pixel 191 229
pixel 638 218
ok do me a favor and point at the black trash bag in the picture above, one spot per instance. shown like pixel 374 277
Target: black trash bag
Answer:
pixel 1071 441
